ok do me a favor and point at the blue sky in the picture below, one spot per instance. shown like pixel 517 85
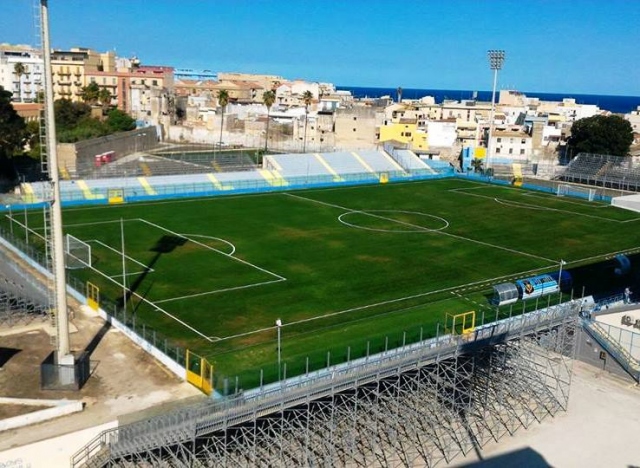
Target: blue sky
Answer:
pixel 565 46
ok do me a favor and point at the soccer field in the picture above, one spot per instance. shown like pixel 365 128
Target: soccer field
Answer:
pixel 345 269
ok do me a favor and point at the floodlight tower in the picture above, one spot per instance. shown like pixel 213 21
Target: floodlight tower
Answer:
pixel 64 355
pixel 496 59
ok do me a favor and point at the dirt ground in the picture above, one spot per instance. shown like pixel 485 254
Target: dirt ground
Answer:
pixel 124 380
pixel 599 430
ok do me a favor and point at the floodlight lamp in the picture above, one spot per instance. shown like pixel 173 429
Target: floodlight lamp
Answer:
pixel 496 59
pixel 278 323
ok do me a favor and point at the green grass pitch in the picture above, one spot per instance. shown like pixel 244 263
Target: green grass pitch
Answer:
pixel 345 269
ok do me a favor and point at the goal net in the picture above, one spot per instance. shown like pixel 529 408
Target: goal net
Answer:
pixel 567 190
pixel 77 253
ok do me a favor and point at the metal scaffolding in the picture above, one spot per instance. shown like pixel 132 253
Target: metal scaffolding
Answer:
pixel 420 405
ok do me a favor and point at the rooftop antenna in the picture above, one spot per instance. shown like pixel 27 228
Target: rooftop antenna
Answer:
pixel 64 355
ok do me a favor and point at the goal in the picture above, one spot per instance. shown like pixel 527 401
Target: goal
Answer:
pixel 77 253
pixel 567 190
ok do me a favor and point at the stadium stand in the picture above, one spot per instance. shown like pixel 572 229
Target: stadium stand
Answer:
pixel 408 159
pixel 617 172
pixel 296 164
pixel 125 179
pixel 22 300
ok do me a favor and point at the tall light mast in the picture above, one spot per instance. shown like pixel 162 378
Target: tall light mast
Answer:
pixel 64 355
pixel 496 59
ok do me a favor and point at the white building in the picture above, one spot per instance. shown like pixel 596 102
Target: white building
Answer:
pixel 511 144
pixel 25 87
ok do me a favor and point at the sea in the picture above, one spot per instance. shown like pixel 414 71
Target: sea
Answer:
pixel 615 104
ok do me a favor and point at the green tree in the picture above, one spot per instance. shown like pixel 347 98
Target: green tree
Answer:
pixel 104 96
pixel 307 97
pixel 19 69
pixel 90 93
pixel 12 134
pixel 223 100
pixel 269 97
pixel 601 134
pixel 68 114
pixel 33 139
pixel 118 121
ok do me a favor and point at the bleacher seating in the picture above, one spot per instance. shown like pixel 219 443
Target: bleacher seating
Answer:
pixel 408 160
pixel 297 164
pixel 603 170
pixel 125 179
pixel 21 300
pixel 379 161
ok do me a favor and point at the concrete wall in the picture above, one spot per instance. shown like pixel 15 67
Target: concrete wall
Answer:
pixel 355 127
pixel 78 158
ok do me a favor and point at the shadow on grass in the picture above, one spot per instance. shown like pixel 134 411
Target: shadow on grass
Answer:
pixel 165 245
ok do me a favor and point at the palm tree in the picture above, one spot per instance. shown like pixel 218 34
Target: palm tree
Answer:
pixel 477 165
pixel 90 93
pixel 104 96
pixel 307 97
pixel 269 97
pixel 223 100
pixel 19 69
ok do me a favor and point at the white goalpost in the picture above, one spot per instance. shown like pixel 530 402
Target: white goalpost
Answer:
pixel 578 191
pixel 77 253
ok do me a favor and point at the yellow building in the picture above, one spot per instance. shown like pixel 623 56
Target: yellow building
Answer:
pixel 70 68
pixel 405 131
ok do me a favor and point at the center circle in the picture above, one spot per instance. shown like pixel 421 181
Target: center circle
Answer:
pixel 395 221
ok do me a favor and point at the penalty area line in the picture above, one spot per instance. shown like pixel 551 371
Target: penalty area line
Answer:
pixel 216 291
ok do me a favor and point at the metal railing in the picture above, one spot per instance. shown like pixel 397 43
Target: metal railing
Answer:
pixel 199 420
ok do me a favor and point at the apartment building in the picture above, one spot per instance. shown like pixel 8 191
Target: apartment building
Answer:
pixel 512 143
pixel 24 87
pixel 69 69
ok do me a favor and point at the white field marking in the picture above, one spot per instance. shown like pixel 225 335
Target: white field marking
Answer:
pixel 416 227
pixel 470 301
pixel 596 205
pixel 216 291
pixel 158 309
pixel 233 247
pixel 135 273
pixel 28 229
pixel 244 262
pixel 542 208
pixel 442 233
pixel 96 223
pixel 474 285
pixel 150 270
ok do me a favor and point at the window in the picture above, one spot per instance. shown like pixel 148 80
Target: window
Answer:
pixel 499 140
pixel 522 151
pixel 510 150
pixel 354 129
pixel 355 118
pixel 523 141
pixel 155 82
pixel 497 150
